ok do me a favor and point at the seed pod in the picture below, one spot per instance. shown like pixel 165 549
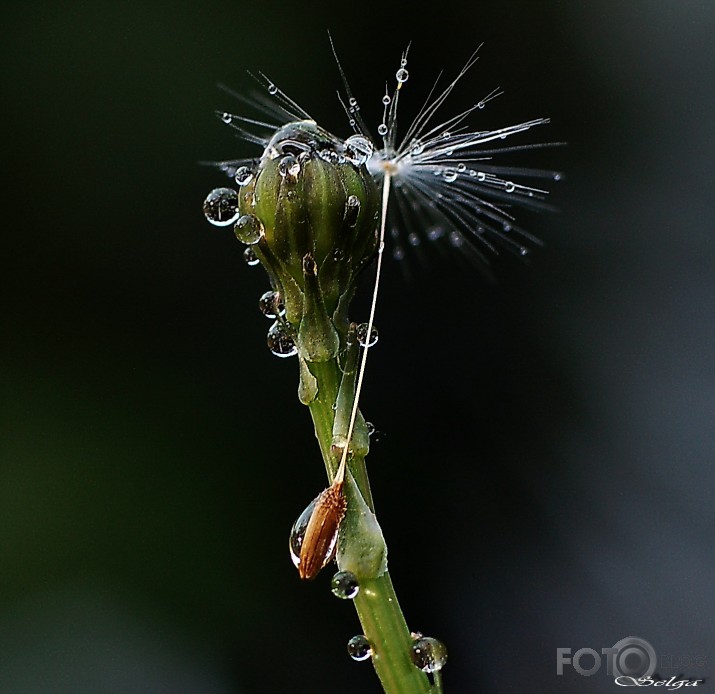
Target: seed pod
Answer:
pixel 314 535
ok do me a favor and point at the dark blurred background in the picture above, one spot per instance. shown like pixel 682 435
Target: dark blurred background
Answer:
pixel 545 476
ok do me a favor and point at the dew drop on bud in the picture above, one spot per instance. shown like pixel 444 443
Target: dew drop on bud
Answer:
pixel 402 75
pixel 358 149
pixel 344 585
pixel 271 305
pixel 280 342
pixel 249 229
pixel 221 206
pixel 243 176
pixel 428 654
pixel 352 210
pixel 362 338
pixel 382 129
pixel 359 648
pixel 249 255
pixel 289 168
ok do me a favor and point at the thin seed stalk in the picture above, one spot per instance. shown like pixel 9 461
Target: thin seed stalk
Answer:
pixel 377 606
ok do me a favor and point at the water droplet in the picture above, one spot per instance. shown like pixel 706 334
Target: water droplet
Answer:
pixel 249 255
pixel 557 177
pixel 361 333
pixel 272 89
pixel 402 75
pixel 345 585
pixel 506 226
pixel 271 305
pixel 382 129
pixel 351 122
pixel 509 187
pixel 249 229
pixel 352 210
pixel 435 233
pixel 352 101
pixel 480 104
pixel 449 152
pixel 428 654
pixel 280 342
pixel 398 253
pixel 359 648
pixel 226 117
pixel 370 428
pixel 386 99
pixel 358 149
pixel 289 168
pixel 338 254
pixel 403 62
pixel 243 176
pixel 523 251
pixel 502 136
pixel 221 206
pixel 417 148
pixel 461 168
pixel 481 176
pixel 450 175
pixel 413 239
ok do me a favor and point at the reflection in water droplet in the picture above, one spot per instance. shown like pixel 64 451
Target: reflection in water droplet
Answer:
pixel 243 176
pixel 428 654
pixel 221 206
pixel 402 75
pixel 352 210
pixel 344 585
pixel 358 149
pixel 359 648
pixel 361 333
pixel 271 305
pixel 289 168
pixel 250 257
pixel 382 129
pixel 280 342
pixel 249 229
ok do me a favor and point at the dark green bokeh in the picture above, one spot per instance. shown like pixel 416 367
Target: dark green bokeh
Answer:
pixel 546 476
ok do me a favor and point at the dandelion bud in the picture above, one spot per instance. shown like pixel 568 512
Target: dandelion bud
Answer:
pixel 318 212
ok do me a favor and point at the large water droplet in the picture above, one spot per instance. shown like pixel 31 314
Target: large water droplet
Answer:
pixel 249 229
pixel 401 75
pixel 358 149
pixel 382 129
pixel 344 584
pixel 352 210
pixel 289 168
pixel 359 648
pixel 361 333
pixel 280 342
pixel 221 206
pixel 428 654
pixel 271 305
pixel 249 255
pixel 243 176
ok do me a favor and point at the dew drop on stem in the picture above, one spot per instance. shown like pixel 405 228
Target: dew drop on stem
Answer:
pixel 362 337
pixel 280 342
pixel 250 257
pixel 428 654
pixel 271 305
pixel 359 648
pixel 344 585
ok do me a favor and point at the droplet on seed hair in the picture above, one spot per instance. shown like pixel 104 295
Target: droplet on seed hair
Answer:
pixel 359 648
pixel 272 89
pixel 280 342
pixel 221 206
pixel 401 75
pixel 449 175
pixel 509 187
pixel 382 129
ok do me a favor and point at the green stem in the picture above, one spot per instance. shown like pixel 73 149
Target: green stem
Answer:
pixel 378 609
